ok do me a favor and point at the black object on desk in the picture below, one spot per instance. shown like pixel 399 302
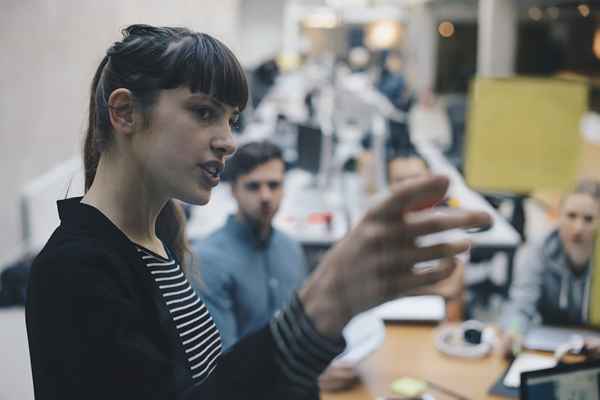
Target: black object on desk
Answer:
pixel 572 381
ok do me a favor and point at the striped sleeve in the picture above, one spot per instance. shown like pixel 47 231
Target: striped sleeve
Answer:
pixel 302 353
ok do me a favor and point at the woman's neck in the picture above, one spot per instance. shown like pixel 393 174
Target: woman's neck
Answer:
pixel 121 193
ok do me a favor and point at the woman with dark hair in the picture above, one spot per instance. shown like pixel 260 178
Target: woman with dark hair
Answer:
pixel 110 311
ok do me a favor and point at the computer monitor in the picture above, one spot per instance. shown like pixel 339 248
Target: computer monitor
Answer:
pixel 309 148
pixel 575 381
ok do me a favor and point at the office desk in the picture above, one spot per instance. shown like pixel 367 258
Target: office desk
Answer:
pixel 502 236
pixel 408 350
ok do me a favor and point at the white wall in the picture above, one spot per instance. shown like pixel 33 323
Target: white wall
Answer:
pixel 261 30
pixel 50 49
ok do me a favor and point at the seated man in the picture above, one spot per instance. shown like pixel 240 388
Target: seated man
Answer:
pixel 249 268
pixel 401 168
pixel 552 283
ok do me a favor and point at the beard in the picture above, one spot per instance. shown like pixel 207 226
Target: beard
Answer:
pixel 257 221
pixel 579 255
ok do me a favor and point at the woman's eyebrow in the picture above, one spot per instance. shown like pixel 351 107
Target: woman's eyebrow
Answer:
pixel 213 101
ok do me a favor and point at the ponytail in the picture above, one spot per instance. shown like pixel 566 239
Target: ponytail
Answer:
pixel 91 151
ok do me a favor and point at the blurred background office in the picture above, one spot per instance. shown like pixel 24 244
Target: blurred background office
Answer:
pixel 501 95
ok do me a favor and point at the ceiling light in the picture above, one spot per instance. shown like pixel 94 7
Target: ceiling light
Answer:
pixel 383 34
pixel 446 29
pixel 321 19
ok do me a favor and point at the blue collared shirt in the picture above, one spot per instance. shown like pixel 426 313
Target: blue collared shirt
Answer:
pixel 246 280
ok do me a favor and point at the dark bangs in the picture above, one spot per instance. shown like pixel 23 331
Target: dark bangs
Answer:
pixel 206 65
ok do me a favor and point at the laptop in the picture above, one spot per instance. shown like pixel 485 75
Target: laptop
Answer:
pixel 548 338
pixel 564 382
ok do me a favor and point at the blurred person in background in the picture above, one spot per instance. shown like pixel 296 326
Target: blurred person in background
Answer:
pixel 392 82
pixel 249 268
pixel 110 312
pixel 359 59
pixel 262 79
pixel 404 167
pixel 553 278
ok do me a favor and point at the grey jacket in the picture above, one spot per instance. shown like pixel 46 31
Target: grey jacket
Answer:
pixel 545 289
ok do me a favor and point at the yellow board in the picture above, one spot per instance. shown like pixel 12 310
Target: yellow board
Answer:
pixel 594 312
pixel 523 134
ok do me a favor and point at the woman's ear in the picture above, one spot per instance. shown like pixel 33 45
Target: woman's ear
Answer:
pixel 121 111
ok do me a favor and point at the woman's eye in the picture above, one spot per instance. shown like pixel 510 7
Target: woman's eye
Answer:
pixel 234 120
pixel 204 113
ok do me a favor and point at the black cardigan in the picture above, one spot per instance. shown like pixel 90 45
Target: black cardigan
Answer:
pixel 98 328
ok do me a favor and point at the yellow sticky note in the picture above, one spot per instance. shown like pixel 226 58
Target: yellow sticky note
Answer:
pixel 523 134
pixel 409 387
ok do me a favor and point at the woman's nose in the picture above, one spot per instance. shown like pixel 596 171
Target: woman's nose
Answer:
pixel 265 193
pixel 224 144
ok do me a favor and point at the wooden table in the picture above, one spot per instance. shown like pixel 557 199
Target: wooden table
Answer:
pixel 408 350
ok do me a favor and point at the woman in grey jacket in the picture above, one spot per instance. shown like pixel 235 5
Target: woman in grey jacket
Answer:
pixel 553 277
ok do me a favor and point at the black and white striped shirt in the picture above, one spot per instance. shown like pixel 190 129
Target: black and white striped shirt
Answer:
pixel 197 331
pixel 302 353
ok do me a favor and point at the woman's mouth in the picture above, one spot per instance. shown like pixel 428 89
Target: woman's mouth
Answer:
pixel 211 172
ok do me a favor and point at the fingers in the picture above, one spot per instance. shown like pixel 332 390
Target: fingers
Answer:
pixel 425 223
pixel 417 194
pixel 404 283
pixel 430 275
pixel 397 267
pixel 437 251
pixel 450 288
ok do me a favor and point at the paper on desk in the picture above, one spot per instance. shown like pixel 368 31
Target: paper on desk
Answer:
pixel 548 338
pixel 364 334
pixel 414 308
pixel 526 362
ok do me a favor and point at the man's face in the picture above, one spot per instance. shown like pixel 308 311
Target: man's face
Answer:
pixel 404 168
pixel 259 193
pixel 578 222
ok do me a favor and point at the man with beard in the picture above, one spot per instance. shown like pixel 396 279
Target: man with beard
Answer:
pixel 249 268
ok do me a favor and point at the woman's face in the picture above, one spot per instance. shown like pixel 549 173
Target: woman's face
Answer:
pixel 182 151
pixel 577 226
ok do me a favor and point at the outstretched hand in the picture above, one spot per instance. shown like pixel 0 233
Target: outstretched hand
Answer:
pixel 375 262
